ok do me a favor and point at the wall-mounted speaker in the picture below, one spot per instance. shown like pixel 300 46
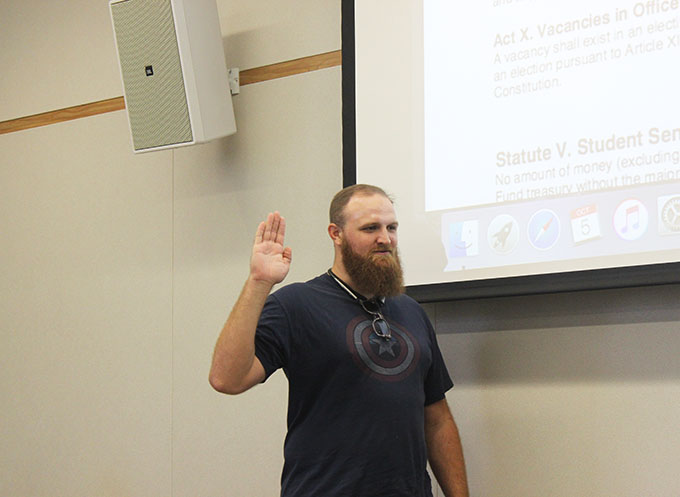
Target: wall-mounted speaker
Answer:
pixel 174 72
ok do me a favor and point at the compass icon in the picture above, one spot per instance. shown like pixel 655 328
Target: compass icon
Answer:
pixel 544 229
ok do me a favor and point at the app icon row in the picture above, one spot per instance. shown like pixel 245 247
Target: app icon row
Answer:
pixel 630 221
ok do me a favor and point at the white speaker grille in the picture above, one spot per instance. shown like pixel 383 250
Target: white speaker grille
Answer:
pixel 152 73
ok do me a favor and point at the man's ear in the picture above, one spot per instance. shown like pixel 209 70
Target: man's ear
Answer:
pixel 335 232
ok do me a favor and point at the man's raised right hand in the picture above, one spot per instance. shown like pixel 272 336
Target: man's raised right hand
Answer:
pixel 270 260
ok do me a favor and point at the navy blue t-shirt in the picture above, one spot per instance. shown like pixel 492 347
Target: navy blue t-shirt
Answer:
pixel 356 401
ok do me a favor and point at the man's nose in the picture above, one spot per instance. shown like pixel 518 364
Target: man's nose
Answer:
pixel 384 237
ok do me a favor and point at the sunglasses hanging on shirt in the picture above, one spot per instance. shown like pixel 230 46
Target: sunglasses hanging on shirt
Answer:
pixel 371 306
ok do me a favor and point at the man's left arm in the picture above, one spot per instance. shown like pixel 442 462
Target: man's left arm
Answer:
pixel 444 450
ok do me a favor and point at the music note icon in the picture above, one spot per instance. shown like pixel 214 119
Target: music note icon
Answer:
pixel 634 214
pixel 631 219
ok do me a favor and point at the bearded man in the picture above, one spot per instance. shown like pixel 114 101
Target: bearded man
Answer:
pixel 367 382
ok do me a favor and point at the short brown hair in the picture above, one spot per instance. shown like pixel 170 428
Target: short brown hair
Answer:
pixel 342 198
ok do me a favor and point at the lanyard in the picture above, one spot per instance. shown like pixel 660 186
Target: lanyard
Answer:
pixel 357 297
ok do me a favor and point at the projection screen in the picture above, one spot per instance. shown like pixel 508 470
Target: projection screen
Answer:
pixel 530 145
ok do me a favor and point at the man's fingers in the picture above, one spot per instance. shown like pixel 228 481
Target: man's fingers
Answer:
pixel 288 254
pixel 281 232
pixel 276 222
pixel 272 229
pixel 259 234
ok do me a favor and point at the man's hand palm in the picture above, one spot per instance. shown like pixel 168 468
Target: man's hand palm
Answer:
pixel 270 260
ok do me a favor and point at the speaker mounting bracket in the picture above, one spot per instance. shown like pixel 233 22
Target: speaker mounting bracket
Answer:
pixel 234 84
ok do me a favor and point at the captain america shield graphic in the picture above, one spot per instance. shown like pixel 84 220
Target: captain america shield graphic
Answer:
pixel 385 360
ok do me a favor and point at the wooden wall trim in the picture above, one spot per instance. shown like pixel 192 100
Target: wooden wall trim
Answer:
pixel 61 115
pixel 246 77
pixel 291 67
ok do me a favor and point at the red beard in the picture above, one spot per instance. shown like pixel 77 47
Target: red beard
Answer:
pixel 377 274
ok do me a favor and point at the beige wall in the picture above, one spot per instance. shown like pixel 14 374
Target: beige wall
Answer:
pixel 118 271
pixel 567 395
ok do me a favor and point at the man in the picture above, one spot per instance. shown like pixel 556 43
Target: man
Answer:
pixel 367 383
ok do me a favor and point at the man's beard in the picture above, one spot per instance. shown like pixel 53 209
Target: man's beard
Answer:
pixel 374 274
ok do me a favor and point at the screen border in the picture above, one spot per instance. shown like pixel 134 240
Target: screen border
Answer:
pixel 618 277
